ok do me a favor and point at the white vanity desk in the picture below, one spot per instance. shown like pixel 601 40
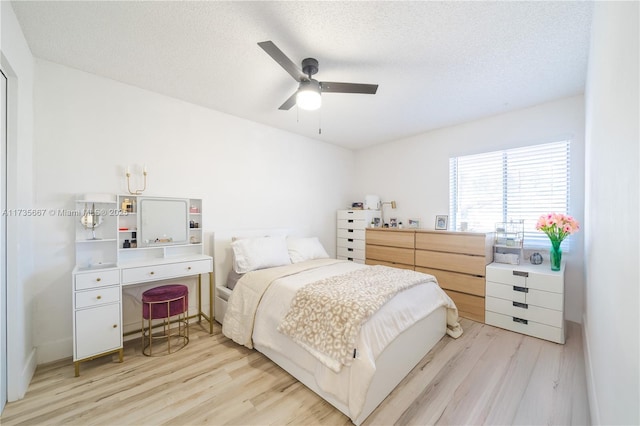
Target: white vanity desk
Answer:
pixel 98 287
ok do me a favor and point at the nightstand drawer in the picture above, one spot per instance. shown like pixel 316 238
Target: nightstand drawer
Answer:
pixel 97 279
pixel 520 325
pixel 525 311
pixel 531 296
pixel 351 243
pixel 85 299
pixel 523 276
pixel 356 234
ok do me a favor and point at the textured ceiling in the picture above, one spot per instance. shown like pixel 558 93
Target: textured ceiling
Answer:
pixel 437 63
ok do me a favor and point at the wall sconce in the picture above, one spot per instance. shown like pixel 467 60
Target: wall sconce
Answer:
pixel 393 206
pixel 137 191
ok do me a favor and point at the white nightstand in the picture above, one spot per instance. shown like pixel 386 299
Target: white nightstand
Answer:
pixel 526 298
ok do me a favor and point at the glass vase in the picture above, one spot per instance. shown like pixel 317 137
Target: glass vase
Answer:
pixel 555 256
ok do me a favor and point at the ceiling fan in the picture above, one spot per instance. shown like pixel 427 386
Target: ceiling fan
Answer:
pixel 308 94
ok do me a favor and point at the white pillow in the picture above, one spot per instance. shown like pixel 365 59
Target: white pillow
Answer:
pixel 250 254
pixel 301 249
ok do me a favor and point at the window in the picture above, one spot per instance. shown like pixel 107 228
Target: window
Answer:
pixel 519 183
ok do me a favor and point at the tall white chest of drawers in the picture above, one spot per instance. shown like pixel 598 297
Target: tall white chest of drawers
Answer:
pixel 351 227
pixel 528 299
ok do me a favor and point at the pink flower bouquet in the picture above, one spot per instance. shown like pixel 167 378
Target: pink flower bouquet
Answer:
pixel 557 226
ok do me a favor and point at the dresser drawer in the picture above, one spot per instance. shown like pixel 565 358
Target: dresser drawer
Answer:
pixel 351 243
pixel 455 242
pixel 96 279
pixel 473 265
pixel 469 306
pixel 391 238
pixel 355 234
pixel 351 224
pixel 524 277
pixel 543 299
pixel 393 265
pixel 164 271
pixel 355 214
pixel 455 281
pixel 351 252
pixel 390 254
pixel 352 259
pixel 85 299
pixel 525 311
pixel 531 328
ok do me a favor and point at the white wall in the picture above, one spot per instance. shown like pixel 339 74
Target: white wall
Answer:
pixel 415 171
pixel 611 212
pixel 88 129
pixel 17 63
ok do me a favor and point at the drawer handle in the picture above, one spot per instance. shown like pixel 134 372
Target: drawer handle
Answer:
pixel 151 273
pixel 350 240
pixel 520 305
pixel 115 325
pixel 349 249
pixel 520 320
pixel 350 258
pixel 188 268
pixel 98 297
pixel 349 230
pixel 520 289
pixel 350 220
pixel 521 273
pixel 98 279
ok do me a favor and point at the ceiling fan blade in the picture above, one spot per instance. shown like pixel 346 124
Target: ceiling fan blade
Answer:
pixel 333 87
pixel 282 59
pixel 289 102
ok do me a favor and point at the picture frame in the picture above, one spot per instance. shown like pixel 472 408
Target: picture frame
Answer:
pixel 393 222
pixel 413 223
pixel 442 222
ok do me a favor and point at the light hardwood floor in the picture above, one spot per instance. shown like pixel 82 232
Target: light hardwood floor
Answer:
pixel 487 376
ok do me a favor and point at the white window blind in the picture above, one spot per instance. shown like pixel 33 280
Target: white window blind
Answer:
pixel 519 183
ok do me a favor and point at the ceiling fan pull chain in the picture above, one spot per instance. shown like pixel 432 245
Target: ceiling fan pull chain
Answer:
pixel 319 122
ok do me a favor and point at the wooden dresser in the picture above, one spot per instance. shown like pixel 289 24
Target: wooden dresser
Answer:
pixel 457 259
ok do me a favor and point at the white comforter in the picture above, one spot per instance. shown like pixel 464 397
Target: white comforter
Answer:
pixel 350 385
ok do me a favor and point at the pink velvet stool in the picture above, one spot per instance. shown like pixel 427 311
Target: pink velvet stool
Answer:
pixel 159 305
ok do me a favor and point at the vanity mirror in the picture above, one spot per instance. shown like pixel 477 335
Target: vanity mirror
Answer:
pixel 163 221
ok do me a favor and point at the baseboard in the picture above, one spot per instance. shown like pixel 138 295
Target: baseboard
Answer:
pixel 594 411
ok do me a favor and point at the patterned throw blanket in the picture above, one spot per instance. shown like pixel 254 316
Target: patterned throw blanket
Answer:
pixel 326 316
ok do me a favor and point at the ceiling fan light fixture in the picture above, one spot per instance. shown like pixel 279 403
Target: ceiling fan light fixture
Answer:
pixel 308 96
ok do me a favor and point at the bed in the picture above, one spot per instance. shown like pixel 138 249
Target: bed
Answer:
pixel 387 346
